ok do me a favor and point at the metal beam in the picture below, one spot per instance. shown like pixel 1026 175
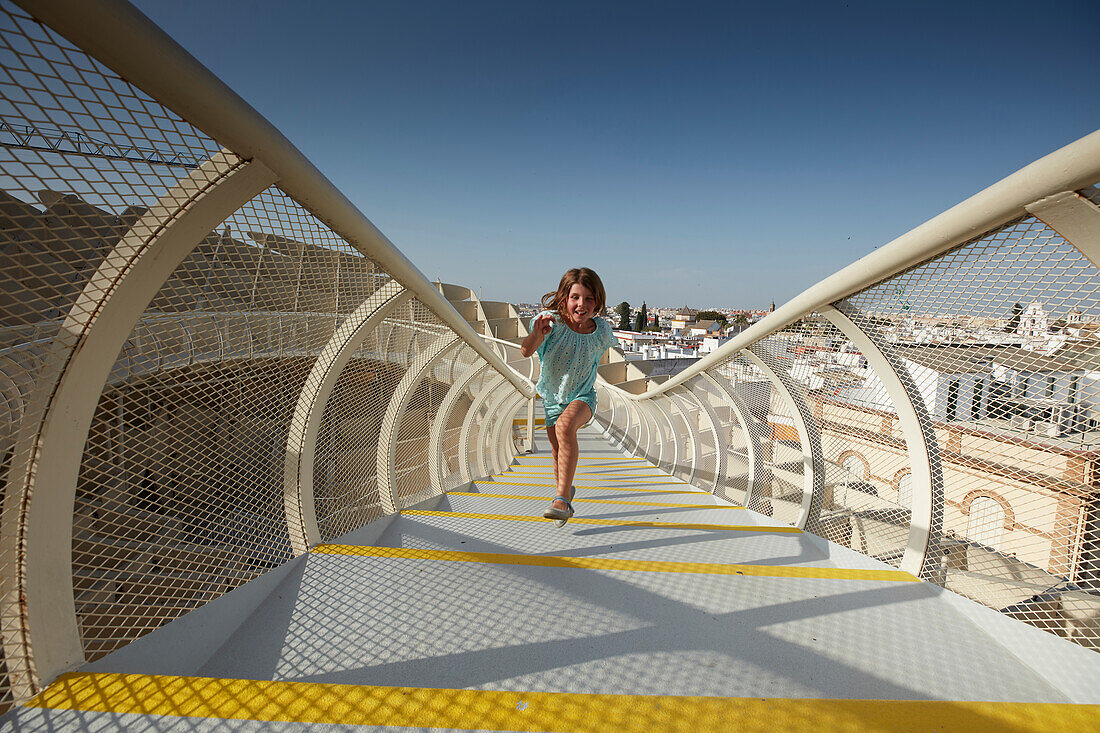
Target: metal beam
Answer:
pixel 305 424
pixel 46 461
pixel 926 512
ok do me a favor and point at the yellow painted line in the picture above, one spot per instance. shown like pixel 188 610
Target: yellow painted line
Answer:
pixel 607 522
pixel 523 421
pixel 595 488
pixel 592 501
pixel 627 480
pixel 591 458
pixel 607 563
pixel 554 712
pixel 597 473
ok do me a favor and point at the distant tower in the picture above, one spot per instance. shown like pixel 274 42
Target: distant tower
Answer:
pixel 772 309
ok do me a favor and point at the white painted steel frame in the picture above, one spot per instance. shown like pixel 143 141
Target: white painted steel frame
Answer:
pixel 305 424
pixel 42 484
pixel 752 440
pixel 487 429
pixel 926 518
pixel 123 39
pixel 720 444
pixel 386 460
pixel 435 434
pixel 675 398
pixel 468 422
pixel 813 457
pixel 1075 218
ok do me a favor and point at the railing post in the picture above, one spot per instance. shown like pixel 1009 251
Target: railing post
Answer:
pixel 442 417
pixel 813 461
pixel 926 511
pixel 386 468
pixel 41 490
pixel 752 440
pixel 305 424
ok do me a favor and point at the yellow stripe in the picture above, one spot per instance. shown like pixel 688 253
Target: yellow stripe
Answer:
pixel 590 458
pixel 514 471
pixel 592 501
pixel 611 522
pixel 607 563
pixel 523 421
pixel 419 707
pixel 666 482
pixel 597 488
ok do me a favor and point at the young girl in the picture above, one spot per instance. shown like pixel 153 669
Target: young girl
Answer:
pixel 570 340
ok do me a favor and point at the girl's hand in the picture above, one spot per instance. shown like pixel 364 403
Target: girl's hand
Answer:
pixel 544 324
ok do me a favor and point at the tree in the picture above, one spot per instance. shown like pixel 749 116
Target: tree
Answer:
pixel 623 310
pixel 719 318
pixel 640 321
pixel 1014 319
pixel 656 322
pixel 740 320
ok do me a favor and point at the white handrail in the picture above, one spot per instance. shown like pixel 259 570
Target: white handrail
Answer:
pixel 118 35
pixel 1067 169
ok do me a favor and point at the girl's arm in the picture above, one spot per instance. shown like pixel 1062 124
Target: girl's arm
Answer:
pixel 542 326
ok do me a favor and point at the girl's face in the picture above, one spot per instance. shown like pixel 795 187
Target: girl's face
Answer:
pixel 580 306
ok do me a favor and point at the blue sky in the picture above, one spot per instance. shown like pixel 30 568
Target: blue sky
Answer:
pixel 709 154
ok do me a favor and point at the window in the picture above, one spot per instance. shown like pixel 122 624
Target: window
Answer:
pixel 1050 388
pixel 976 400
pixel 986 523
pixel 855 468
pixel 1074 386
pixel 952 399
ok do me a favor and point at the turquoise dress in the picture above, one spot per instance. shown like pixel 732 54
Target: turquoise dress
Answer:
pixel 569 360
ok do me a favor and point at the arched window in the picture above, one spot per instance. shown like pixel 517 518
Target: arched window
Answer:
pixel 986 523
pixel 855 467
pixel 905 491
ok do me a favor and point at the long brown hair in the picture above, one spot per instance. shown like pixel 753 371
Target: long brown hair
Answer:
pixel 555 301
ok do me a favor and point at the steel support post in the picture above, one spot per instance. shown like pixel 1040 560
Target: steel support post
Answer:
pixel 752 439
pixel 41 490
pixel 487 428
pixel 442 417
pixel 386 462
pixel 677 399
pixel 468 423
pixel 305 424
pixel 720 444
pixel 926 512
pixel 813 460
pixel 1075 218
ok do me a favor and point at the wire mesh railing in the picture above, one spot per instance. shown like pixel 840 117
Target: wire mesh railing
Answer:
pixel 202 376
pixel 942 418
pixel 211 362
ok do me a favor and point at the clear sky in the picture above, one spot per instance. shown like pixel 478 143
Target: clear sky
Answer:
pixel 709 154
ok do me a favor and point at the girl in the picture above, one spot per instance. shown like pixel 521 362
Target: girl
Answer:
pixel 570 340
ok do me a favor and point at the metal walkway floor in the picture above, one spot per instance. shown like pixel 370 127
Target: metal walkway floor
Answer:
pixel 658 607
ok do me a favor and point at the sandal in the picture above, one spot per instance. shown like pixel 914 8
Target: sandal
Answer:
pixel 561 515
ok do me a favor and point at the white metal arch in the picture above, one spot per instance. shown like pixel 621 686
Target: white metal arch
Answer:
pixel 46 461
pixel 468 422
pixel 435 434
pixel 752 439
pixel 386 468
pixel 676 397
pixel 720 444
pixel 305 424
pixel 493 399
pixel 926 512
pixel 813 459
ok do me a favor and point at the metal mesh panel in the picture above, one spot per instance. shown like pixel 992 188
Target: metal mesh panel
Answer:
pixel 82 156
pixel 778 479
pixel 693 395
pixel 180 494
pixel 411 459
pixel 1000 337
pixel 682 429
pixel 865 505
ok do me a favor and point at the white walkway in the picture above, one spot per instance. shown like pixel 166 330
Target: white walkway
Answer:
pixel 657 607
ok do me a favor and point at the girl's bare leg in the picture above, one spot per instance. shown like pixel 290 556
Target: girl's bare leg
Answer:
pixel 566 449
pixel 553 436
